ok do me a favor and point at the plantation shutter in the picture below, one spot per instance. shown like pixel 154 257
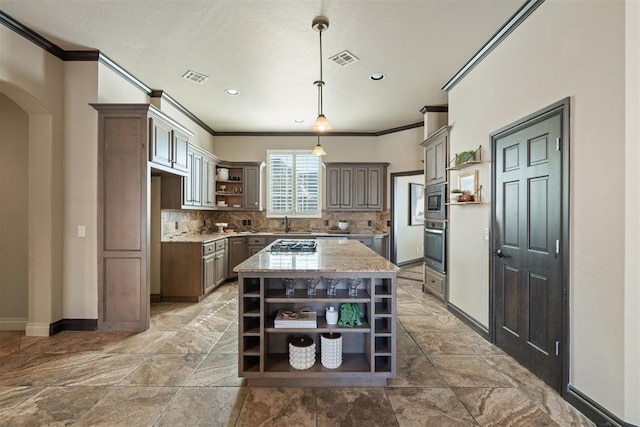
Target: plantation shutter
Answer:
pixel 293 184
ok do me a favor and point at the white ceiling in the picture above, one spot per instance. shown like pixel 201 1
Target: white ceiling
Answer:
pixel 268 51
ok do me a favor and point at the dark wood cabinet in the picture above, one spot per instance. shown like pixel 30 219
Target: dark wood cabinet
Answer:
pixel 369 187
pixel 252 187
pixel 193 181
pixel 242 191
pixel 435 283
pixel 356 186
pixel 208 185
pixel 435 156
pixel 180 150
pixel 339 187
pixel 190 270
pixel 237 252
pixel 122 218
pixel 168 144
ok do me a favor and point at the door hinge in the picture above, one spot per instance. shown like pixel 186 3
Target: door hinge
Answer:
pixel 558 144
pixel 557 246
pixel 557 348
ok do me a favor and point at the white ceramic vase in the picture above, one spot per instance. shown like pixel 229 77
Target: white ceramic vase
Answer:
pixel 332 315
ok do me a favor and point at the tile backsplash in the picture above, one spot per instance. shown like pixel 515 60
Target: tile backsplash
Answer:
pixel 194 221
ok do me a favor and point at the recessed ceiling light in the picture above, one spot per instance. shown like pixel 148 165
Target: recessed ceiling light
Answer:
pixel 232 92
pixel 377 76
pixel 299 120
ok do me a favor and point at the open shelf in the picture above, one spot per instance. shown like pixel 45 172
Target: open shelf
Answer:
pixel 322 327
pixel 278 295
pixel 477 155
pixel 351 362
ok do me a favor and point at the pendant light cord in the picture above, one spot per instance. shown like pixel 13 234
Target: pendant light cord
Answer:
pixel 321 82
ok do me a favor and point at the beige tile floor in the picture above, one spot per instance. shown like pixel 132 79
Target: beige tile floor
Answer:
pixel 183 372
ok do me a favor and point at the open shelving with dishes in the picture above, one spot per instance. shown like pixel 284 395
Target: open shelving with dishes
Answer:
pixel 368 356
pixel 237 185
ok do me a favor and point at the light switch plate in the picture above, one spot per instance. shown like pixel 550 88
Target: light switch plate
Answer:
pixel 81 231
pixel 486 234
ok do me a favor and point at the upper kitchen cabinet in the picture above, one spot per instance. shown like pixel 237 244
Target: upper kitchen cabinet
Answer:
pixel 370 187
pixel 435 156
pixel 339 184
pixel 238 185
pixel 356 186
pixel 168 144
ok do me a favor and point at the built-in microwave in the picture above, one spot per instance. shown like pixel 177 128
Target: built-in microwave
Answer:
pixel 435 197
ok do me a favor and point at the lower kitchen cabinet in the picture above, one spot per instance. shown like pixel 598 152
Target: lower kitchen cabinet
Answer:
pixel 434 283
pixel 190 270
pixel 237 252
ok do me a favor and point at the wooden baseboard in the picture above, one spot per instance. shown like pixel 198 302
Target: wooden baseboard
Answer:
pixel 469 321
pixel 592 409
pixel 156 298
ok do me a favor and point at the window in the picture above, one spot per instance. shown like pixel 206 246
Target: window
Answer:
pixel 293 187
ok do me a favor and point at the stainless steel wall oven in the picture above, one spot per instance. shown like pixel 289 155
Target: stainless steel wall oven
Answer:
pixel 435 241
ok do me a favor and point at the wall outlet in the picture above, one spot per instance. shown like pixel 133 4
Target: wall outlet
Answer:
pixel 486 234
pixel 369 223
pixel 81 231
pixel 176 225
pixel 326 222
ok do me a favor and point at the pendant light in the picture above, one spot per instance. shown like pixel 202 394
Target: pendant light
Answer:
pixel 318 150
pixel 320 24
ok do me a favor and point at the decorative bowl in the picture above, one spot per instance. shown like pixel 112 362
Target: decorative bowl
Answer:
pixel 343 225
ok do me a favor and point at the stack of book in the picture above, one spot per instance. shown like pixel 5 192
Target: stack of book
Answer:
pixel 296 319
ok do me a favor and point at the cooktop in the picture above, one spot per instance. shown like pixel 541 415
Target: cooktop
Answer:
pixel 294 246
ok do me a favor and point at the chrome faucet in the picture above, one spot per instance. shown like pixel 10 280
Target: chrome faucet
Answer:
pixel 287 228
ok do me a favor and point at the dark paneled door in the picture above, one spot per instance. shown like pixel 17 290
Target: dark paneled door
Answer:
pixel 527 266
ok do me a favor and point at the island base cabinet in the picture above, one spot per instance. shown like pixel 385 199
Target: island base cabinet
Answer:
pixel 369 349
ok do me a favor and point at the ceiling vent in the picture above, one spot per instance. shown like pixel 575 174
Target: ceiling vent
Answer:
pixel 344 58
pixel 195 77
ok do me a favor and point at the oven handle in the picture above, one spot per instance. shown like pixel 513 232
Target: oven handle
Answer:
pixel 434 231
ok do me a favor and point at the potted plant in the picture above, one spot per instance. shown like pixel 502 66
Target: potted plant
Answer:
pixel 343 224
pixel 350 315
pixel 455 194
pixel 465 156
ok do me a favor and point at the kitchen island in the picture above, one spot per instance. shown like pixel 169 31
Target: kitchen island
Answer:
pixel 369 349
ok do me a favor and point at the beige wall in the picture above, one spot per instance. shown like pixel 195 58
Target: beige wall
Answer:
pixel 80 293
pixel 34 80
pixel 401 150
pixel 573 49
pixel 409 239
pixel 632 214
pixel 14 231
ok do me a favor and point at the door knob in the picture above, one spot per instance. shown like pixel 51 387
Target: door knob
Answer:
pixel 499 253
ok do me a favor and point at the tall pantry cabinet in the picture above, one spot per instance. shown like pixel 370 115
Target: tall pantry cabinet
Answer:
pixel 124 169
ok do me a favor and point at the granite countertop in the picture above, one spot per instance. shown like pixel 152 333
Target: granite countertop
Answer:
pixel 331 256
pixel 210 237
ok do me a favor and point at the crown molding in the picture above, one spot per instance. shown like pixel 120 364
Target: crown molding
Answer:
pixel 96 55
pixel 31 35
pixel 513 23
pixel 327 135
pixel 434 109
